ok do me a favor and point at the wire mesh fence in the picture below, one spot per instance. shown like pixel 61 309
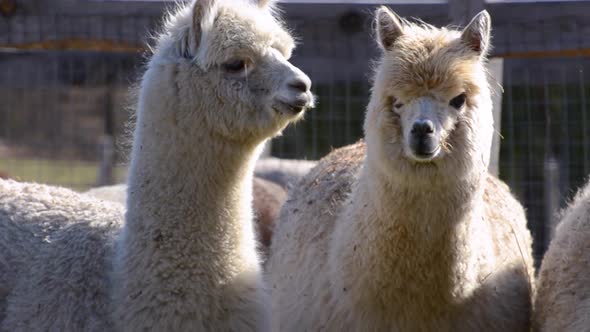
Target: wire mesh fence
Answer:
pixel 546 127
pixel 64 80
pixel 57 110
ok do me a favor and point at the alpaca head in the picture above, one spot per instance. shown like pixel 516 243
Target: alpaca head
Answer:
pixel 430 115
pixel 221 66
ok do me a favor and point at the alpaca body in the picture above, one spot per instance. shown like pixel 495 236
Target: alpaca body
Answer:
pixel 66 280
pixel 268 200
pixel 116 193
pixel 284 172
pixel 412 265
pixel 563 295
pixel 216 87
pixel 408 232
pixel 61 289
pixel 54 261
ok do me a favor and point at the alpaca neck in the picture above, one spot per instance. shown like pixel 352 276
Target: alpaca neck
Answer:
pixel 403 244
pixel 188 201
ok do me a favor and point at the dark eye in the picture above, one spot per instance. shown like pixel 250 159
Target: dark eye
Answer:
pixel 235 66
pixel 458 101
pixel 396 103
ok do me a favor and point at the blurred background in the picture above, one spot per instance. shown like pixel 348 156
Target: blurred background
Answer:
pixel 66 67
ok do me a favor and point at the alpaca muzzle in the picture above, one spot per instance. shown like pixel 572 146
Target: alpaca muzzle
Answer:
pixel 295 104
pixel 424 142
pixel 288 108
pixel 295 96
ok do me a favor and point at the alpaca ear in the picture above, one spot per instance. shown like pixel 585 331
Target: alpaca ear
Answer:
pixel 477 33
pixel 389 27
pixel 202 10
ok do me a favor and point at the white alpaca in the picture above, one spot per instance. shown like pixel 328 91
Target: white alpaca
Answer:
pixel 410 232
pixel 217 85
pixel 563 295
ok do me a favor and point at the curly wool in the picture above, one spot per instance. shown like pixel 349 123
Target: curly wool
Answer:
pixel 563 295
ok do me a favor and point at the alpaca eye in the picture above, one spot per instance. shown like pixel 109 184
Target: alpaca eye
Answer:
pixel 458 101
pixel 235 66
pixel 396 103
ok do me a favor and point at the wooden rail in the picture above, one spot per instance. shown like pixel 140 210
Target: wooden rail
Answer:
pixel 89 45
pixel 520 28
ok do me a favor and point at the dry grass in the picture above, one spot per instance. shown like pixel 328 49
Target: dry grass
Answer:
pixel 74 174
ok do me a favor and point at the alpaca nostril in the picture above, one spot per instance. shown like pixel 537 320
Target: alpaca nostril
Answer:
pixel 299 85
pixel 422 128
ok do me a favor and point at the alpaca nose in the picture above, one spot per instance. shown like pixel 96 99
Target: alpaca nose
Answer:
pixel 422 128
pixel 300 84
pixel 423 141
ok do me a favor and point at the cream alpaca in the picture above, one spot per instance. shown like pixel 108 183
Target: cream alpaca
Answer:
pixel 217 85
pixel 563 296
pixel 410 232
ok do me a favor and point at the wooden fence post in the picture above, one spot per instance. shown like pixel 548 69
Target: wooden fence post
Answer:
pixel 107 142
pixel 107 160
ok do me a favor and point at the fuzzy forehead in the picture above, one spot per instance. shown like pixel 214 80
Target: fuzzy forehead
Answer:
pixel 430 61
pixel 247 30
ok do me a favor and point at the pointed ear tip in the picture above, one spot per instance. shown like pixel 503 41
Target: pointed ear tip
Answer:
pixel 381 10
pixel 485 15
pixel 384 12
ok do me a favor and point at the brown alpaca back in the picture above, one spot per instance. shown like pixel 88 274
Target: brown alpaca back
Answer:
pixel 268 200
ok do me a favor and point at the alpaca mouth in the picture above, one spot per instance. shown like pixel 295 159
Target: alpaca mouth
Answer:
pixel 424 147
pixel 426 156
pixel 282 107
